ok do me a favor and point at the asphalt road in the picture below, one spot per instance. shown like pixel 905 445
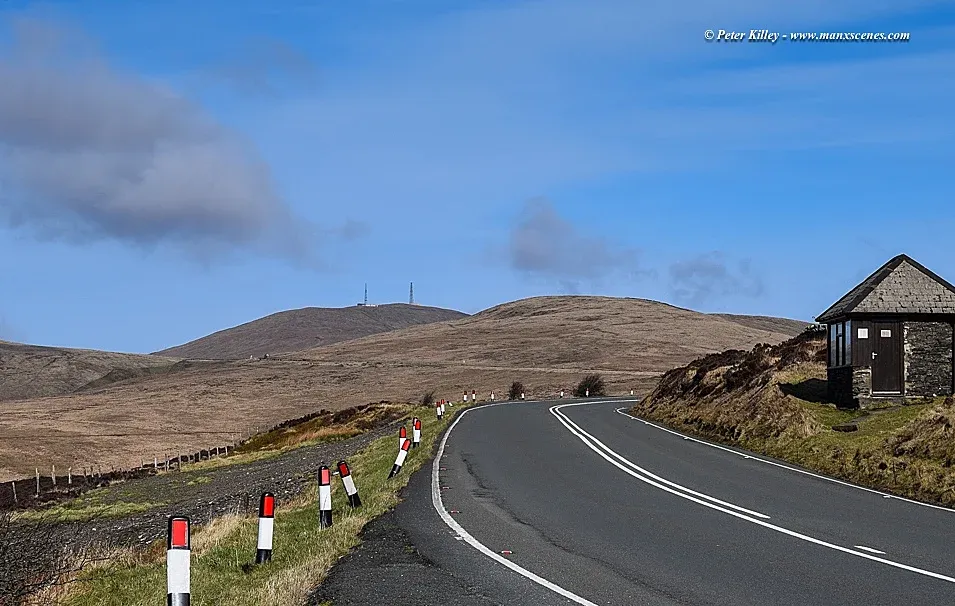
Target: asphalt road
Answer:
pixel 599 508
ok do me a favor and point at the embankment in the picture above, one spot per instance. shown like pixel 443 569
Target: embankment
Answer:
pixel 772 400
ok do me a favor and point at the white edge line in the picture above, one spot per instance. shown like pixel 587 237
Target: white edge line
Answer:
pixel 649 474
pixel 869 549
pixel 780 465
pixel 464 535
pixel 568 423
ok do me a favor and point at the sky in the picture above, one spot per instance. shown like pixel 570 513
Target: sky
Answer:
pixel 169 169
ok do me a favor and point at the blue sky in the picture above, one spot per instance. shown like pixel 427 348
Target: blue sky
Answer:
pixel 168 169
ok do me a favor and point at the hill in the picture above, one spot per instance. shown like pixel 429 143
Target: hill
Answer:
pixel 30 371
pixel 548 343
pixel 569 332
pixel 299 329
pixel 772 400
pixel 779 325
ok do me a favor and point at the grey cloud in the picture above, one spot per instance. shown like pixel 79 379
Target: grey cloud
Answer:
pixel 546 245
pixel 353 230
pixel 88 152
pixel 711 275
pixel 267 67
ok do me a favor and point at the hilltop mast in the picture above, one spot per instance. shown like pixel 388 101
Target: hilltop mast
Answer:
pixel 366 294
pixel 411 295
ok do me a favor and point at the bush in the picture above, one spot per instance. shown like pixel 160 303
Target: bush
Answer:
pixel 517 388
pixel 428 398
pixel 591 384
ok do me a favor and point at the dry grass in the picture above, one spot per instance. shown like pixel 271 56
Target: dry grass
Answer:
pixel 547 343
pixel 299 329
pixel 760 400
pixel 303 553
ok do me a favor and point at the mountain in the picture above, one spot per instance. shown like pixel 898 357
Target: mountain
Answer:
pixel 553 332
pixel 548 343
pixel 299 329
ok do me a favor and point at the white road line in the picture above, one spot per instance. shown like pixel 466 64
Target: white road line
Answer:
pixel 780 465
pixel 656 477
pixel 464 535
pixel 869 549
pixel 580 434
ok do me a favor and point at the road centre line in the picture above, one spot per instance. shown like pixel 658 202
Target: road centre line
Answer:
pixel 591 442
pixel 782 466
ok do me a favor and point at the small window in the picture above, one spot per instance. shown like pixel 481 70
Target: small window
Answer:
pixel 863 333
pixel 832 345
pixel 847 336
pixel 886 334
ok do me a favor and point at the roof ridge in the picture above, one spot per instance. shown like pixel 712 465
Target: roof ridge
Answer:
pixel 852 299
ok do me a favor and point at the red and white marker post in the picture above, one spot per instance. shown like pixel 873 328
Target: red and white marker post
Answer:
pixel 561 393
pixel 474 395
pixel 442 408
pixel 522 395
pixel 492 396
pixel 178 550
pixel 402 455
pixel 415 432
pixel 263 551
pixel 402 436
pixel 324 497
pixel 465 397
pixel 438 411
pixel 349 483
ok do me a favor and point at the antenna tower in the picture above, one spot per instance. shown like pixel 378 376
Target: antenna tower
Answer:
pixel 366 293
pixel 411 295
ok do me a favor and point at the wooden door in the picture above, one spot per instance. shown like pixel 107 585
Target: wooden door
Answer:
pixel 886 357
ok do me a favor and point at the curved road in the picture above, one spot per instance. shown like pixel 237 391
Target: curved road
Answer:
pixel 600 508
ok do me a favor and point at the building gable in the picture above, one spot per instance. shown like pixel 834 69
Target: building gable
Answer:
pixel 901 286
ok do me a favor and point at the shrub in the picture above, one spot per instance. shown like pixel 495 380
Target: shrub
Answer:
pixel 592 384
pixel 428 398
pixel 517 388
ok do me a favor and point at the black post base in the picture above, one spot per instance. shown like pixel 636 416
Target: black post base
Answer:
pixel 177 599
pixel 263 556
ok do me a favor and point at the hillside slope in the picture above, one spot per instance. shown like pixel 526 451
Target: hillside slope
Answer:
pixel 308 327
pixel 566 332
pixel 780 325
pixel 548 343
pixel 30 371
pixel 772 400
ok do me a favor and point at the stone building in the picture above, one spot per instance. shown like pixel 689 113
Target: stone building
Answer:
pixel 892 336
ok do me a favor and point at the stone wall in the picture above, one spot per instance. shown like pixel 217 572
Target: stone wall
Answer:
pixel 861 385
pixel 928 358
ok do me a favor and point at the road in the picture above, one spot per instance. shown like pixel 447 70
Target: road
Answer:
pixel 597 507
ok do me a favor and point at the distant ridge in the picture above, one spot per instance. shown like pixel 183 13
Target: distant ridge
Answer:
pixel 299 329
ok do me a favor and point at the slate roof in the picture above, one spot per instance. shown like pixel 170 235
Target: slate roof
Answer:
pixel 901 286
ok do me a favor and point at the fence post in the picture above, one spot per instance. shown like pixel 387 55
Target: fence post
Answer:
pixel 37 481
pixel 69 476
pixel 14 485
pixel 53 474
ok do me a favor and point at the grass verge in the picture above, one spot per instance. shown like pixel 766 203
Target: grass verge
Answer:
pixel 771 401
pixel 303 554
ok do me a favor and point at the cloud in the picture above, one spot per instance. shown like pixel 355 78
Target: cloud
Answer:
pixel 88 152
pixel 352 230
pixel 711 275
pixel 266 67
pixel 544 244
